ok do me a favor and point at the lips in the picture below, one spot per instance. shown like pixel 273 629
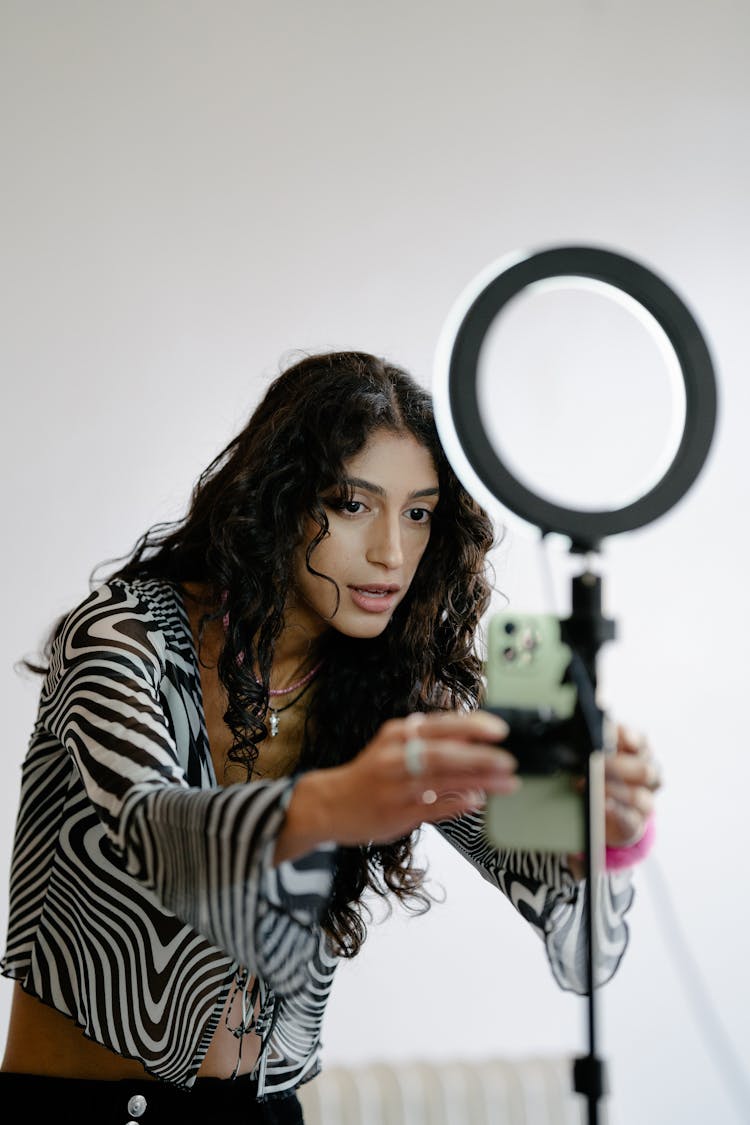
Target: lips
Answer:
pixel 375 598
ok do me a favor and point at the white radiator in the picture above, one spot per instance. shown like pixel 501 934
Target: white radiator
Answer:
pixel 533 1091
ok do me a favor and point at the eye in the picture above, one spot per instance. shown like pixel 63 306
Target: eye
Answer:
pixel 419 515
pixel 345 506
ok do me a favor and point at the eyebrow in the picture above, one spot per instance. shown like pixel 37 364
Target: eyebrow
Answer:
pixel 377 490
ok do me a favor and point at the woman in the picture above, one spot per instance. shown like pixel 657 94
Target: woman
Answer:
pixel 238 734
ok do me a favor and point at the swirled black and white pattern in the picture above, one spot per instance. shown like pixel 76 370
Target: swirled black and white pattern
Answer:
pixel 140 889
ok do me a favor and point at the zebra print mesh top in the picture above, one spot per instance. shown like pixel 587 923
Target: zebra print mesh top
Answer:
pixel 140 890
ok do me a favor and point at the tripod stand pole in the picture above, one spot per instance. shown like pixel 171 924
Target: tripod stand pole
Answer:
pixel 589 1071
pixel 585 631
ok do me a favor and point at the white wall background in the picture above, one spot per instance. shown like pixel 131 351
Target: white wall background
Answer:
pixel 192 191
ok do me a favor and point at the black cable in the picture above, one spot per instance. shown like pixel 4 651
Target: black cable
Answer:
pixel 728 1063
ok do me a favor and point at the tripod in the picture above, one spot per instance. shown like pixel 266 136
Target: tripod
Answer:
pixel 585 631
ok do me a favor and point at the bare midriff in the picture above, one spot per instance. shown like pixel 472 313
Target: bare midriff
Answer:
pixel 46 1042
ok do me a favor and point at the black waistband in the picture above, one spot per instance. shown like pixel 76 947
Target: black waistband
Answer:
pixel 143 1102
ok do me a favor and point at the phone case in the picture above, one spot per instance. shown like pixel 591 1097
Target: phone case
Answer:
pixel 525 668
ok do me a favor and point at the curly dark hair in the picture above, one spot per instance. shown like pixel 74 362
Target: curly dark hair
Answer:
pixel 247 516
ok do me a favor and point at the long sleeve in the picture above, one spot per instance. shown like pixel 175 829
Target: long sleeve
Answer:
pixel 206 854
pixel 545 893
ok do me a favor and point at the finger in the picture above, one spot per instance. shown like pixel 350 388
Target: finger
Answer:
pixel 655 779
pixel 624 825
pixel 631 741
pixel 452 787
pixel 445 806
pixel 639 797
pixel 635 769
pixel 631 796
pixel 453 757
pixel 449 762
pixel 470 726
pixel 453 798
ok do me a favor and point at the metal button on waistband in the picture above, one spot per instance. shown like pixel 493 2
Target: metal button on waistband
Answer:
pixel 137 1105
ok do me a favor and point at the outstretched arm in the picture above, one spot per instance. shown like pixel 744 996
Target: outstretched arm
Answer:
pixel 380 796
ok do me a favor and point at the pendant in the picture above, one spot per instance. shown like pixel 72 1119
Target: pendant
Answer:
pixel 274 724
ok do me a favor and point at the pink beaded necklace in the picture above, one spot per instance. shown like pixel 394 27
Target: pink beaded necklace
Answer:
pixel 301 683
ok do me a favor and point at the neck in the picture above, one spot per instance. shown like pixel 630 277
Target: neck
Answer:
pixel 294 657
pixel 294 650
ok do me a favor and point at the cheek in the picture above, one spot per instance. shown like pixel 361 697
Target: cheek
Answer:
pixel 316 593
pixel 329 558
pixel 343 548
pixel 329 555
pixel 417 552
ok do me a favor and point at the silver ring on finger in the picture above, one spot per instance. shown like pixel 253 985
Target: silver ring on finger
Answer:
pixel 414 756
pixel 655 781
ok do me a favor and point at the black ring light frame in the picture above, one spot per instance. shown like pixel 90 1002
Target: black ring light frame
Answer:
pixel 586 529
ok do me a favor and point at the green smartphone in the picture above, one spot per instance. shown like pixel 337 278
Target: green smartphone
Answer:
pixel 525 678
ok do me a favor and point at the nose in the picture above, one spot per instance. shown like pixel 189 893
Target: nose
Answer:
pixel 385 547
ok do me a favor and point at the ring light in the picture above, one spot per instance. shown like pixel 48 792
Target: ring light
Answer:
pixel 458 416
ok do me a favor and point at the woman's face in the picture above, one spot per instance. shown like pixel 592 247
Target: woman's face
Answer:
pixel 375 540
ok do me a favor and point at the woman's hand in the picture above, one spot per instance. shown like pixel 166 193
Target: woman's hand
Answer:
pixel 631 778
pixel 426 767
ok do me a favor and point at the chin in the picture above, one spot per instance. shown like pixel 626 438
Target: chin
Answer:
pixel 362 630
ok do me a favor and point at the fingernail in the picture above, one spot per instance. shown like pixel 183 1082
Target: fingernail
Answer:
pixel 506 760
pixel 496 722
